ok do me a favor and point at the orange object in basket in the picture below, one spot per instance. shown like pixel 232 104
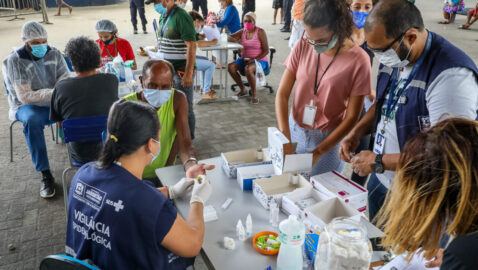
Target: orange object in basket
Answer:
pixel 265 252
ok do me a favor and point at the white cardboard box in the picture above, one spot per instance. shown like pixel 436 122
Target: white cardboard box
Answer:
pixel 241 158
pixel 266 189
pixel 288 163
pixel 289 201
pixel 324 212
pixel 245 175
pixel 336 185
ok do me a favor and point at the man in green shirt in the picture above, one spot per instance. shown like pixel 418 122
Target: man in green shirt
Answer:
pixel 177 44
pixel 157 82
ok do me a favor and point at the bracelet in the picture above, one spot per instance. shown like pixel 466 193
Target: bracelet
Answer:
pixel 189 160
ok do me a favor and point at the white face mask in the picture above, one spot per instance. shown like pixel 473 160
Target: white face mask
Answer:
pixel 182 5
pixel 198 29
pixel 391 59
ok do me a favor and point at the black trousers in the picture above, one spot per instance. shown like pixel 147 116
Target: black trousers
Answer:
pixel 287 4
pixel 137 6
pixel 200 4
pixel 249 5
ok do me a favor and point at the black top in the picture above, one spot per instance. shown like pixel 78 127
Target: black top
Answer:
pixel 83 97
pixel 462 253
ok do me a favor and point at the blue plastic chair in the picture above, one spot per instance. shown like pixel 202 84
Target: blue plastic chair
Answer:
pixel 16 121
pixel 84 129
pixel 64 262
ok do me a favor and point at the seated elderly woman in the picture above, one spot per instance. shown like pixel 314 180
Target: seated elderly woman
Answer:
pixel 255 48
pixel 435 192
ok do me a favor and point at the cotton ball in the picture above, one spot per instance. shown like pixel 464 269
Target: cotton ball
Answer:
pixel 229 243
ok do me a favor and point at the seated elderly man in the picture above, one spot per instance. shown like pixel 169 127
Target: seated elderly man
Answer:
pixel 30 75
pixel 90 93
pixel 172 105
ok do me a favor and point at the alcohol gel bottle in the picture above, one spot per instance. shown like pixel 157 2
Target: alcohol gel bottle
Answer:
pixel 274 214
pixel 291 235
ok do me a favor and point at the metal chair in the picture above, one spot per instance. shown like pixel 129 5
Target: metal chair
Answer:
pixel 64 262
pixel 84 129
pixel 16 121
pixel 272 51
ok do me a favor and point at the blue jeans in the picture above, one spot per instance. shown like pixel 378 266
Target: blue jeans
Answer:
pixel 376 196
pixel 190 96
pixel 206 70
pixel 34 119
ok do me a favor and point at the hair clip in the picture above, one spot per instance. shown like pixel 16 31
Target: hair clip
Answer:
pixel 113 137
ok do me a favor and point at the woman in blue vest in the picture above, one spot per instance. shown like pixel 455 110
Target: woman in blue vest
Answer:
pixel 231 17
pixel 422 79
pixel 122 222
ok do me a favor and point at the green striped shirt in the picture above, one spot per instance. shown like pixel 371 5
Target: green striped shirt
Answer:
pixel 179 28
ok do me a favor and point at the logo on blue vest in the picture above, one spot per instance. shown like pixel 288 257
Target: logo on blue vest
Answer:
pixel 89 195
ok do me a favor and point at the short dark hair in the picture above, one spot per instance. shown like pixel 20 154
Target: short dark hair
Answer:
pixel 148 64
pixel 195 15
pixel 333 14
pixel 84 53
pixel 397 16
pixel 130 125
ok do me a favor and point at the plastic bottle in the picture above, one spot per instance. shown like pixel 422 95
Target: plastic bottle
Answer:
pixel 248 225
pixel 241 234
pixel 224 39
pixel 274 214
pixel 291 235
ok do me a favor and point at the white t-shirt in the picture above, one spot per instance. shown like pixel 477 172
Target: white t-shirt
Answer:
pixel 453 93
pixel 211 33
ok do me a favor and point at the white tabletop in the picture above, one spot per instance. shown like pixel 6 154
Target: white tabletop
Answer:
pixel 244 256
pixel 228 46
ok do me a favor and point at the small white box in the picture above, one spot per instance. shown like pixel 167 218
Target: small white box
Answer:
pixel 288 163
pixel 336 185
pixel 291 203
pixel 241 158
pixel 245 175
pixel 324 212
pixel 266 189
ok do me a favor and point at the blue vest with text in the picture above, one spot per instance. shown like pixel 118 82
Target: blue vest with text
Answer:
pixel 442 56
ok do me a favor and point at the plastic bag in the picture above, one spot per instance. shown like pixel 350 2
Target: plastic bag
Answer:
pixel 260 75
pixel 118 66
pixel 128 73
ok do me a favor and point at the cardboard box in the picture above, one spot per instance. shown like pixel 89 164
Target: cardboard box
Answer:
pixel 336 185
pixel 267 189
pixel 324 212
pixel 245 175
pixel 291 203
pixel 286 163
pixel 242 158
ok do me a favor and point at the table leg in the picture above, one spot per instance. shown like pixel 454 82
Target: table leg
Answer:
pixel 225 86
pixel 220 76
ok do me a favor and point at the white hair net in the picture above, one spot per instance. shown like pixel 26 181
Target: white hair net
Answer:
pixel 33 30
pixel 105 25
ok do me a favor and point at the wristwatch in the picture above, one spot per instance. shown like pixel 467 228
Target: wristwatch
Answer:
pixel 377 166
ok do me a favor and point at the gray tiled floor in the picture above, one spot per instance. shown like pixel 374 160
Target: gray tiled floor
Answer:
pixel 36 227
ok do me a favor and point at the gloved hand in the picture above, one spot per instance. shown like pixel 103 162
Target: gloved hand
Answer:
pixel 180 188
pixel 201 191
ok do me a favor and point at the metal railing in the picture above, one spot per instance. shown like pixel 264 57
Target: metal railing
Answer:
pixel 16 8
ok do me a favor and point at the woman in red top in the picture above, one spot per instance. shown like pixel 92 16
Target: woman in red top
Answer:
pixel 111 45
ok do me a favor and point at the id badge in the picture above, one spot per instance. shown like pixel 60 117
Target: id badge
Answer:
pixel 309 114
pixel 379 143
pixel 424 122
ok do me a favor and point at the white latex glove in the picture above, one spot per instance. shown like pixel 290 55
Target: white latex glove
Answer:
pixel 201 192
pixel 181 188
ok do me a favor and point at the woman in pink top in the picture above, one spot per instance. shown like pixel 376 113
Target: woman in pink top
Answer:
pixel 331 76
pixel 256 48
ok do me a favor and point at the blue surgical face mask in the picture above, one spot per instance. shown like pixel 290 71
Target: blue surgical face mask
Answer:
pixel 323 48
pixel 156 97
pixel 39 50
pixel 359 18
pixel 157 155
pixel 160 9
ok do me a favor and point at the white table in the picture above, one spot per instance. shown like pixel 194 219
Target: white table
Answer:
pixel 215 255
pixel 244 256
pixel 227 47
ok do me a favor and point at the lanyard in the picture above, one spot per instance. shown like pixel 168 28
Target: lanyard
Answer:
pixel 166 23
pixel 41 69
pixel 116 50
pixel 316 86
pixel 392 102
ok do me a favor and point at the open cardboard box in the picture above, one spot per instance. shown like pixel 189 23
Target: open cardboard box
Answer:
pixel 241 158
pixel 324 212
pixel 267 189
pixel 245 175
pixel 334 184
pixel 286 163
pixel 290 201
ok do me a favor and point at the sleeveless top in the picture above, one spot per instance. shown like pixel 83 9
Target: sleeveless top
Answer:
pixel 167 120
pixel 252 47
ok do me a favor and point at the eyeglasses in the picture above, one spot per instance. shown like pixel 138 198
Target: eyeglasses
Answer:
pixel 247 21
pixel 391 44
pixel 314 42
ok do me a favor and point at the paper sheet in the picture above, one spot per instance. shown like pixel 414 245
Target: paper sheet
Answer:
pixel 400 263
